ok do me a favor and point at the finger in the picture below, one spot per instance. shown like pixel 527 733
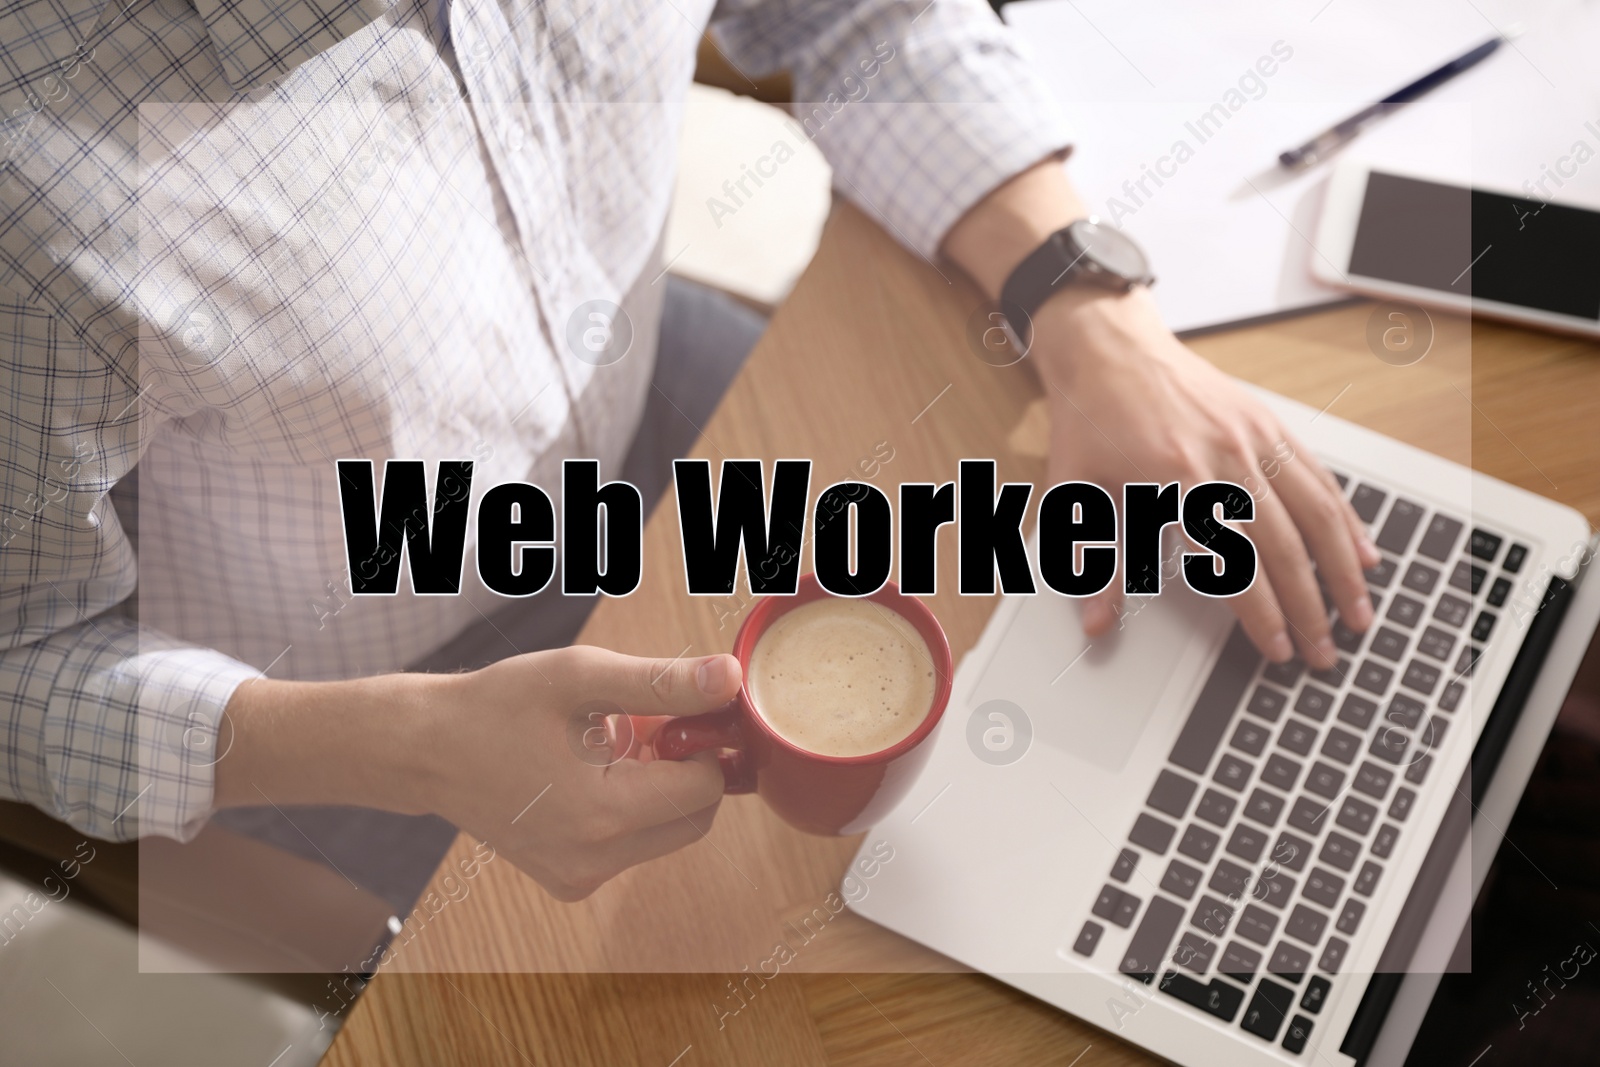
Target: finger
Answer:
pixel 683 686
pixel 652 842
pixel 1102 611
pixel 639 794
pixel 1366 551
pixel 1317 513
pixel 1288 569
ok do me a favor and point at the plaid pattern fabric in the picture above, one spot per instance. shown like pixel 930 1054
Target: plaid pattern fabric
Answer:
pixel 240 239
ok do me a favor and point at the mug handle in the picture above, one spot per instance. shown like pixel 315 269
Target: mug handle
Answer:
pixel 683 737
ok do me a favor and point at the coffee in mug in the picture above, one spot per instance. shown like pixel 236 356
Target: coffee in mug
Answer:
pixel 842 677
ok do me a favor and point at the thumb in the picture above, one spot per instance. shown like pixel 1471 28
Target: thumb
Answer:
pixel 645 686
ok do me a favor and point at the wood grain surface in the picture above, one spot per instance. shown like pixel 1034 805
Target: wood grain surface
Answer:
pixel 867 360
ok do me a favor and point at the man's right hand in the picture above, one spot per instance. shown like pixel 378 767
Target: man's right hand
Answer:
pixel 494 751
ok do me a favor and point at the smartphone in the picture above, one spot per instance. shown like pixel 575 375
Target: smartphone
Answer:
pixel 1402 235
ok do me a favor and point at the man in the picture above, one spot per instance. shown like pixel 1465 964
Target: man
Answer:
pixel 242 239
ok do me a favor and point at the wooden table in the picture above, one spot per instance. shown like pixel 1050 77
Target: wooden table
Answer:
pixel 867 360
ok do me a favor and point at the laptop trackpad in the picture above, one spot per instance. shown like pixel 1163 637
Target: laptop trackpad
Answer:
pixel 1093 699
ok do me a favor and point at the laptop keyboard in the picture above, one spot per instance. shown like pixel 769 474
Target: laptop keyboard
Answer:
pixel 1287 790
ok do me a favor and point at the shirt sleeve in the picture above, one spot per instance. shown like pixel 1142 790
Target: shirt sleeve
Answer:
pixel 105 725
pixel 922 107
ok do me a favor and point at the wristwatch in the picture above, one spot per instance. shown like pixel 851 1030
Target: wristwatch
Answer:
pixel 1081 253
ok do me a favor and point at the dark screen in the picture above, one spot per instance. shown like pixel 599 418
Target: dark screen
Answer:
pixel 1493 247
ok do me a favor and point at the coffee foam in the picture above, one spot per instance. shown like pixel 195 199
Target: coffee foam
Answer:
pixel 842 677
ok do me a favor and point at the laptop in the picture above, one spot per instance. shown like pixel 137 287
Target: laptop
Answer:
pixel 1227 861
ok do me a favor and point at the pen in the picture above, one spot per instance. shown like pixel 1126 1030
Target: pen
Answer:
pixel 1324 143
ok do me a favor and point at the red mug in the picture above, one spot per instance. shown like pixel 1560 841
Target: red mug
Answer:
pixel 815 793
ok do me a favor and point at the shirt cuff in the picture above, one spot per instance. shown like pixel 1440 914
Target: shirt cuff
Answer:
pixel 130 731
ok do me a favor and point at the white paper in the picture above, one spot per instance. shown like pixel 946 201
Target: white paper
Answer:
pixel 1229 233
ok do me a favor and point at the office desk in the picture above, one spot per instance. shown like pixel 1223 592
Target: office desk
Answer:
pixel 865 370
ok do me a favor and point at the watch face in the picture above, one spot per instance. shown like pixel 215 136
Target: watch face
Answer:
pixel 1110 250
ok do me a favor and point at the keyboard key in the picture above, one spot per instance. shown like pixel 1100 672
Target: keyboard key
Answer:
pixel 1346 639
pixel 1483 626
pixel 1290 852
pixel 1088 938
pixel 1289 961
pixel 1306 924
pixel 1151 833
pixel 1420 578
pixel 1372 780
pixel 1181 880
pixel 1467 660
pixel 1334 676
pixel 1264 807
pixel 1214 708
pixel 1323 887
pixel 1342 479
pixel 1484 545
pixel 1247 843
pixel 1324 781
pixel 1198 843
pixel 1267 1010
pixel 1499 591
pixel 1171 794
pixel 1316 994
pixel 1286 673
pixel 1390 644
pixel 1404 610
pixel 1436 643
pixel 1341 745
pixel 1114 905
pixel 1339 851
pixel 1194 952
pixel 1350 917
pixel 1250 737
pixel 1374 677
pixel 1266 703
pixel 1432 735
pixel 1421 677
pixel 1122 870
pixel 1297 737
pixel 1357 711
pixel 1439 539
pixel 1404 712
pixel 1232 773
pixel 1229 879
pixel 1400 806
pixel 1150 942
pixel 1257 924
pixel 1389 745
pixel 1514 558
pixel 1215 808
pixel 1214 998
pixel 1382 575
pixel 1467 577
pixel 1333 955
pixel 1314 702
pixel 1383 844
pixel 1450 699
pixel 1239 962
pixel 1356 815
pixel 1307 816
pixel 1367 501
pixel 1400 526
pixel 1211 915
pixel 1367 880
pixel 1296 1036
pixel 1452 610
pixel 1280 771
pixel 1417 771
pixel 1274 888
